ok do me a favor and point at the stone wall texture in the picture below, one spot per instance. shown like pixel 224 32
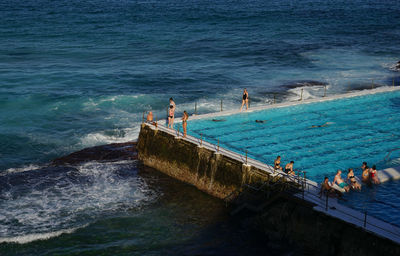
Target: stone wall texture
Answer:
pixel 212 173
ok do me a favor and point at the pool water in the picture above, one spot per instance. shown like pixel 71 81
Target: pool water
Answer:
pixel 319 137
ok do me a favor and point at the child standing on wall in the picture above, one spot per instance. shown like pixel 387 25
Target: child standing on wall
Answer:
pixel 184 123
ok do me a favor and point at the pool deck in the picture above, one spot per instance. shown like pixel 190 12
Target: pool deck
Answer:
pixel 311 191
pixel 299 102
pixel 387 174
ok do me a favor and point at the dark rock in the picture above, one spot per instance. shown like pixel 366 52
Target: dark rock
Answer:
pixel 110 152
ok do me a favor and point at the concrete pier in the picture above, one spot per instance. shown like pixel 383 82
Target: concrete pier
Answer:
pixel 294 213
pixel 301 217
pixel 210 171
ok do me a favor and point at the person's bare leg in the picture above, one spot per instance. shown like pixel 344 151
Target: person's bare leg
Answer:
pixel 172 122
pixel 184 129
pixel 242 105
pixel 247 104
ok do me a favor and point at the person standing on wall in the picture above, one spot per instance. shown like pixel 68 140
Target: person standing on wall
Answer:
pixel 245 99
pixel 185 117
pixel 171 113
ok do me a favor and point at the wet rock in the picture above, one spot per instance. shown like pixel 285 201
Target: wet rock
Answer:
pixel 109 152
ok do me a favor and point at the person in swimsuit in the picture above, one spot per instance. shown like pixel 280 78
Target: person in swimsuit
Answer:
pixel 184 123
pixel 277 163
pixel 172 103
pixel 289 168
pixel 245 99
pixel 261 121
pixel 326 188
pixel 365 173
pixel 322 125
pixel 373 174
pixel 149 118
pixel 171 113
pixel 338 180
pixel 171 117
pixel 351 179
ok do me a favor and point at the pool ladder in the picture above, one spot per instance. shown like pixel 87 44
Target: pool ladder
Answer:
pixel 389 153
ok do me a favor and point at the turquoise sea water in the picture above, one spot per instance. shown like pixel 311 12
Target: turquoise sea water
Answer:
pixel 352 130
pixel 75 74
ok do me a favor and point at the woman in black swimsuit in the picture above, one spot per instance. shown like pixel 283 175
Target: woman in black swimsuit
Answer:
pixel 245 99
pixel 277 163
pixel 353 182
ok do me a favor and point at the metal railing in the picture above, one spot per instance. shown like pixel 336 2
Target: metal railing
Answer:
pixel 389 153
pixel 324 91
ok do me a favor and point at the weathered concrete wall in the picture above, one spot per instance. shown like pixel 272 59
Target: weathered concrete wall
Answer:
pixel 212 173
pixel 318 233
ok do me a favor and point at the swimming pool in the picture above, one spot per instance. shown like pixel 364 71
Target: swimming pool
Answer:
pixel 319 137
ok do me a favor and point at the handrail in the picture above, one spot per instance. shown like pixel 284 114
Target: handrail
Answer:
pixel 389 153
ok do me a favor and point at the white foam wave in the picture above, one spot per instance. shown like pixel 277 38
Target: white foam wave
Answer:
pixel 231 99
pixel 21 169
pixel 69 199
pixel 94 103
pixel 23 239
pixel 113 136
pixel 305 92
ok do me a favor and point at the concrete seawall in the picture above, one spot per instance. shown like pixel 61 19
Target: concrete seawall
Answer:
pixel 287 218
pixel 209 171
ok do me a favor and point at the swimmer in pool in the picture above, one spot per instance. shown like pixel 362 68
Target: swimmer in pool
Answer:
pixel 365 174
pixel 218 120
pixel 373 174
pixel 261 121
pixel 322 125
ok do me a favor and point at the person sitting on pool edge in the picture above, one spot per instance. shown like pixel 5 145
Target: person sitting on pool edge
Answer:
pixel 373 174
pixel 338 180
pixel 277 163
pixel 326 188
pixel 289 168
pixel 352 179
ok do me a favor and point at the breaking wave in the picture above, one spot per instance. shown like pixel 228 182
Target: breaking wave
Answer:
pixel 42 203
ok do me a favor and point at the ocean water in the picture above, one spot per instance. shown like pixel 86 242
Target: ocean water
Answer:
pixel 75 74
